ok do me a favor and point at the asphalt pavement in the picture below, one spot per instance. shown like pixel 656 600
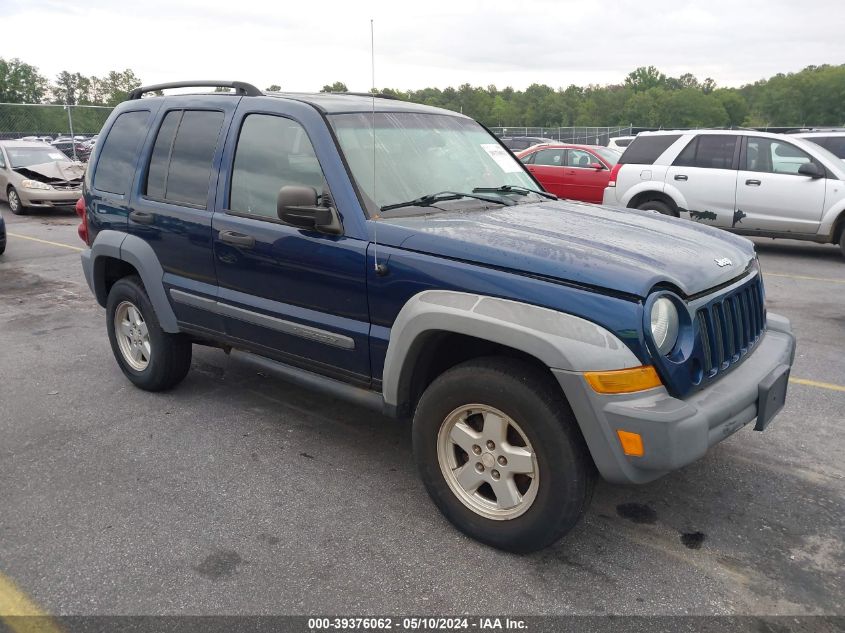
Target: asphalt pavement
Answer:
pixel 237 493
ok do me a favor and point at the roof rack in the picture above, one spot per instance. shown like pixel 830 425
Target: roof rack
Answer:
pixel 242 88
pixel 377 95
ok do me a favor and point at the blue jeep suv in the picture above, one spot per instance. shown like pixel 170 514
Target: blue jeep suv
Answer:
pixel 399 256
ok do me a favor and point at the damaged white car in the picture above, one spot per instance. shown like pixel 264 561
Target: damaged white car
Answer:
pixel 36 175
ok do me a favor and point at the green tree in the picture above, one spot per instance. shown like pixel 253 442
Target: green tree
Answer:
pixel 273 88
pixel 337 86
pixel 20 82
pixel 645 78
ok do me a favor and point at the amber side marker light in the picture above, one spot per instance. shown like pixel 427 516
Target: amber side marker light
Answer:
pixel 632 443
pixel 623 380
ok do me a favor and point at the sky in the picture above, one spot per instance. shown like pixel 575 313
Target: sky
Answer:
pixel 303 45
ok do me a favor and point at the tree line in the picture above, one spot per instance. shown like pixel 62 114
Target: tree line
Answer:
pixel 646 97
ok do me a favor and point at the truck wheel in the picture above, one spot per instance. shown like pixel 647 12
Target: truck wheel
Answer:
pixel 842 242
pixel 657 205
pixel 15 204
pixel 151 358
pixel 499 450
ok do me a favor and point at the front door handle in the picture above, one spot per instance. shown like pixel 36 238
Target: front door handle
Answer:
pixel 752 182
pixel 237 239
pixel 680 177
pixel 142 218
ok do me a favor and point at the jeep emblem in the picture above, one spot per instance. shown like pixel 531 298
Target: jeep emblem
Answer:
pixel 724 261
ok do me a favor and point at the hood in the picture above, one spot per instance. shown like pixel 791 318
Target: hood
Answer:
pixel 54 171
pixel 623 250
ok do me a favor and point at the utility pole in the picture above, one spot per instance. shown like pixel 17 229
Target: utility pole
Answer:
pixel 70 125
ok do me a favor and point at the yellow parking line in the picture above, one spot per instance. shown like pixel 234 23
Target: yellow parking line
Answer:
pixel 20 614
pixel 815 383
pixel 35 239
pixel 827 279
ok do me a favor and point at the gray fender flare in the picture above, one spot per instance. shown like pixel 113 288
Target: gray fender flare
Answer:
pixel 559 340
pixel 135 251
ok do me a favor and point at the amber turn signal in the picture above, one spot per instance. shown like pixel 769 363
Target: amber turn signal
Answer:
pixel 623 380
pixel 632 443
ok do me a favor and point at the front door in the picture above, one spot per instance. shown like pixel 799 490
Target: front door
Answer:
pixel 704 174
pixel 580 180
pixel 547 167
pixel 295 294
pixel 772 195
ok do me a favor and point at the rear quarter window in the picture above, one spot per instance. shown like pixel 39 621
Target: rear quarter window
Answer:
pixel 644 150
pixel 116 164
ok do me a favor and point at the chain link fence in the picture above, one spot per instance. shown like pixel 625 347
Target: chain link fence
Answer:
pixel 48 123
pixel 583 135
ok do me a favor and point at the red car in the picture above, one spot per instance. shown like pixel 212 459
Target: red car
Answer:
pixel 577 172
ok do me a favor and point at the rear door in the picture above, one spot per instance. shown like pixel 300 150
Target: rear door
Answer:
pixel 176 188
pixel 771 194
pixel 548 166
pixel 581 181
pixel 704 174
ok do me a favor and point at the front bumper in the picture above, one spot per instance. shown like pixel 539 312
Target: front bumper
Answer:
pixel 675 431
pixel 48 198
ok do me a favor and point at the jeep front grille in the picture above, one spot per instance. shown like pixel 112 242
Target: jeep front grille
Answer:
pixel 730 326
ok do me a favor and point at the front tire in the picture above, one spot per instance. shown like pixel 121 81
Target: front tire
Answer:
pixel 657 205
pixel 501 455
pixel 842 242
pixel 151 358
pixel 15 204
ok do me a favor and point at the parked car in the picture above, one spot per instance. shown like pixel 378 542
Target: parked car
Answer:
pixel 577 172
pixel 748 182
pixel 2 235
pixel 519 143
pixel 37 175
pixel 531 340
pixel 832 141
pixel 620 142
pixel 72 148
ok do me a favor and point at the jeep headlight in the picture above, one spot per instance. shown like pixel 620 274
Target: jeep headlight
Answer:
pixel 34 184
pixel 664 325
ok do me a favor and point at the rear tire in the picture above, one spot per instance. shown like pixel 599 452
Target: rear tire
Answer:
pixel 151 358
pixel 15 204
pixel 526 409
pixel 842 242
pixel 657 205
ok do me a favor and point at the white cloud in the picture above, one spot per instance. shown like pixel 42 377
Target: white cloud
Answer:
pixel 434 43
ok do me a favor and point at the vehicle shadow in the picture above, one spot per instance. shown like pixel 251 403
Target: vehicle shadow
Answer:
pixel 795 247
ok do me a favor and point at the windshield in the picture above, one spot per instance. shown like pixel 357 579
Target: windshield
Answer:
pixel 421 154
pixel 26 156
pixel 610 156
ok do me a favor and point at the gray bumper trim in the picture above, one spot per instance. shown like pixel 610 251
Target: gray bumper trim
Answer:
pixel 675 432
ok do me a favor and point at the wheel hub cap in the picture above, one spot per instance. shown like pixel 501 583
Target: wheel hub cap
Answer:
pixel 488 462
pixel 133 337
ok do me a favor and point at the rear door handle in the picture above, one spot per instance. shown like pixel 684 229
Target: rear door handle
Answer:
pixel 680 177
pixel 142 218
pixel 752 182
pixel 237 239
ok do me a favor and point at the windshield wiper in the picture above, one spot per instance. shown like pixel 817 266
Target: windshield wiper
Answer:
pixel 443 196
pixel 515 189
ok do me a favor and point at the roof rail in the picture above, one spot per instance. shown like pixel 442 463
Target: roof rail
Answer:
pixel 242 88
pixel 377 95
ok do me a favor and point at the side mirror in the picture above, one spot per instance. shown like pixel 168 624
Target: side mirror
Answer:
pixel 297 205
pixel 596 166
pixel 812 170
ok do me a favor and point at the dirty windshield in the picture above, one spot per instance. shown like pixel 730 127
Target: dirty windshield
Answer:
pixel 420 155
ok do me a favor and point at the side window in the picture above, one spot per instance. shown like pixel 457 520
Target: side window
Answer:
pixel 180 164
pixel 580 158
pixel 774 156
pixel 2 160
pixel 528 159
pixel 272 152
pixel 552 157
pixel 713 151
pixel 115 166
pixel 645 149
